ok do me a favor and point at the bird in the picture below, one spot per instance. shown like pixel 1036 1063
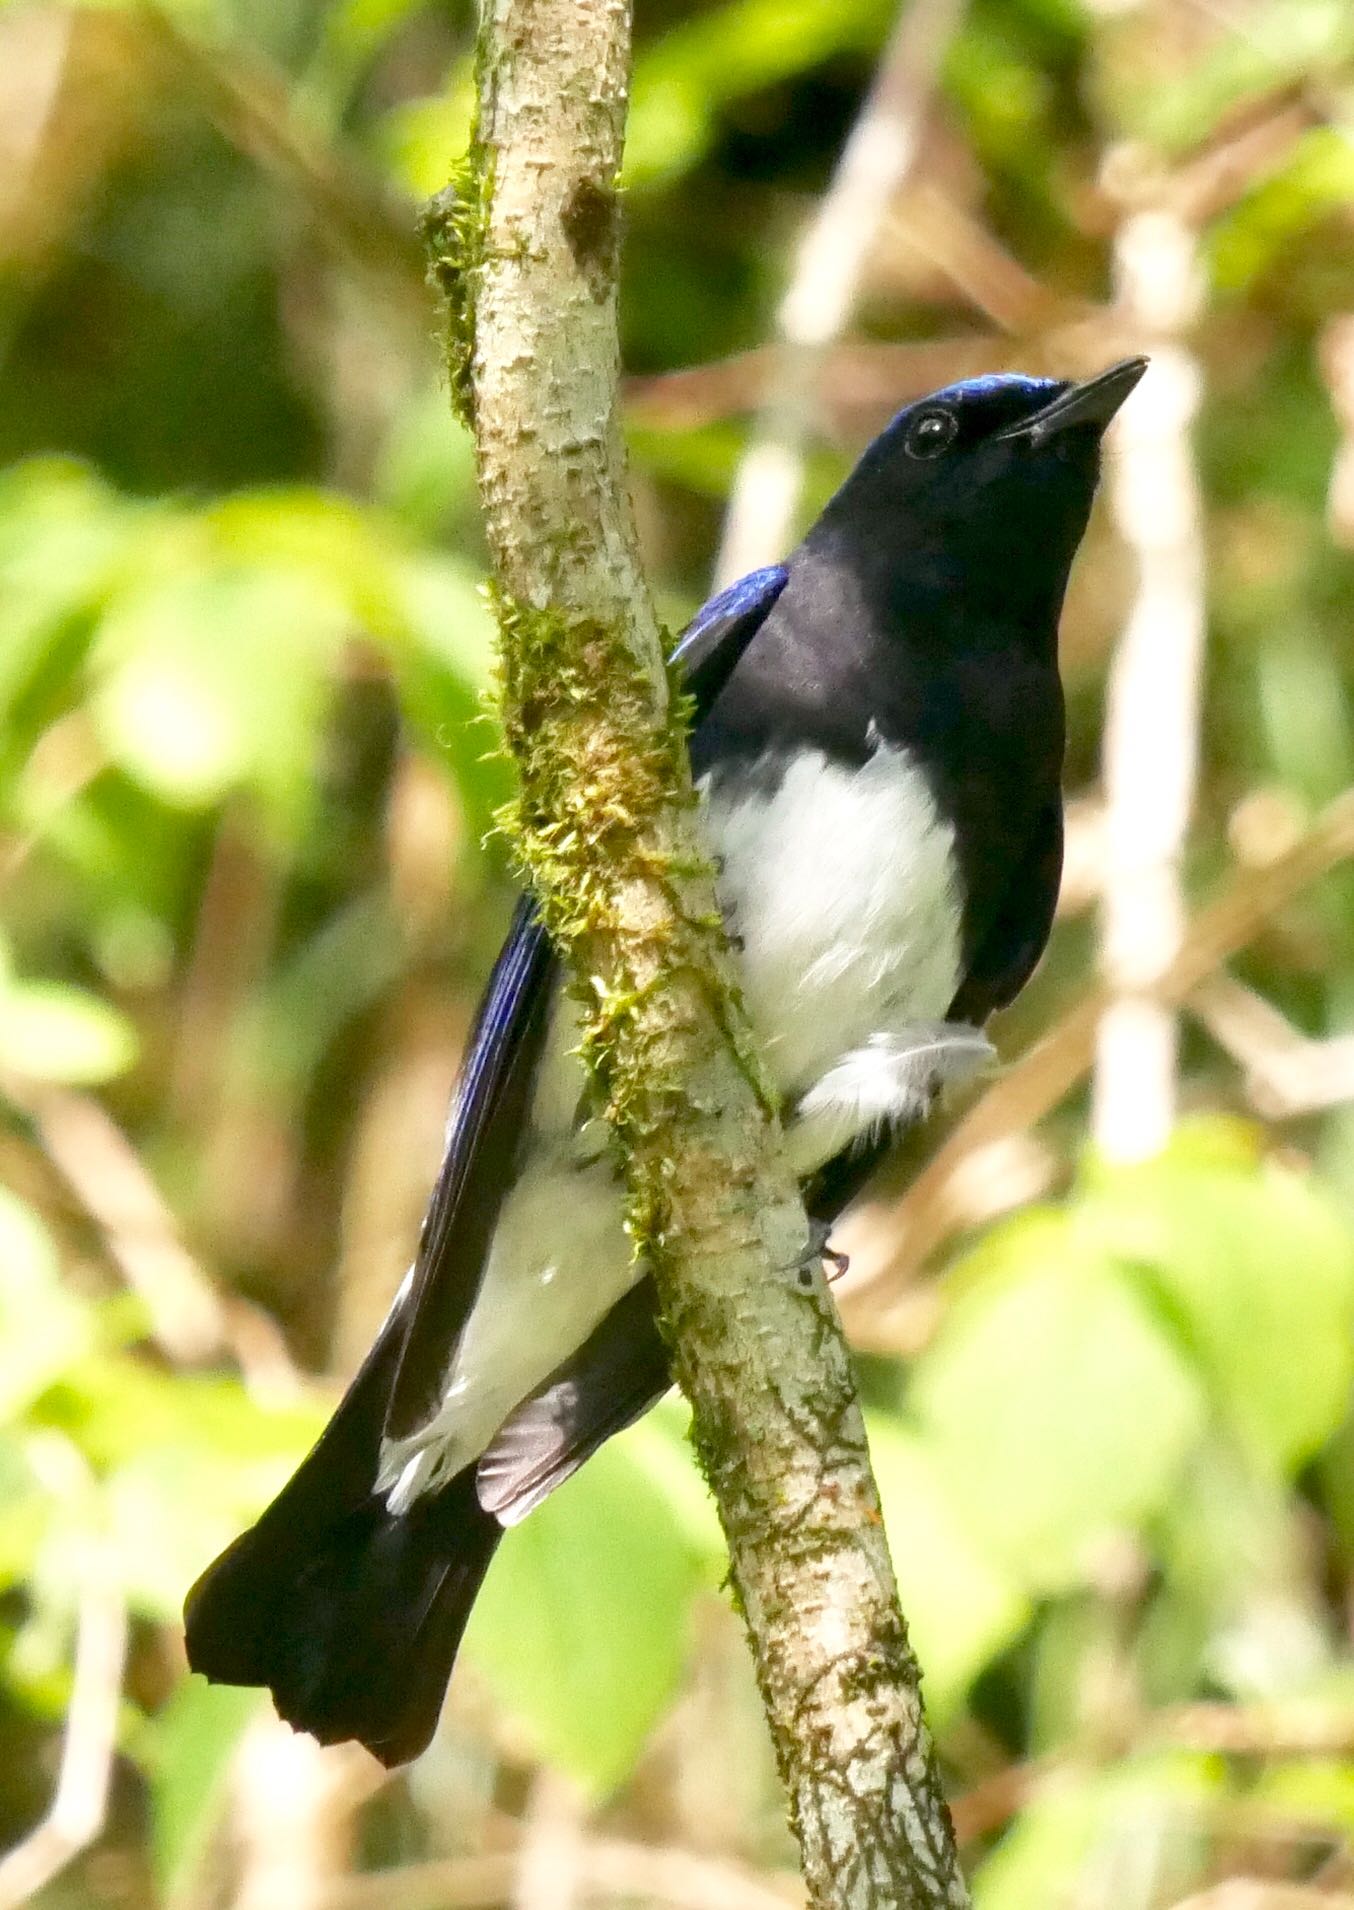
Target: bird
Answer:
pixel 877 739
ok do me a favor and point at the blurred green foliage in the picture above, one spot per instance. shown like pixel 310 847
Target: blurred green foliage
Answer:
pixel 249 894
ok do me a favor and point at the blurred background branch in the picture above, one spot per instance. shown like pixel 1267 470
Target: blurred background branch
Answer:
pixel 829 265
pixel 80 1801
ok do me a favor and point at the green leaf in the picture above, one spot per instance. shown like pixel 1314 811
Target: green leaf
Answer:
pixel 189 1461
pixel 720 54
pixel 581 1626
pixel 1316 1791
pixel 1233 1549
pixel 217 676
pixel 61 536
pixel 419 141
pixel 1285 41
pixel 51 1031
pixel 23 1512
pixel 660 1445
pixel 192 1740
pixel 1249 240
pixel 446 615
pixel 43 1329
pixel 169 1513
pixel 961 1608
pixel 1057 1410
pixel 1253 1266
pixel 425 474
pixel 1100 1839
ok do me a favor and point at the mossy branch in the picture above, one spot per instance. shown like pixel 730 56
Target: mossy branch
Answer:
pixel 524 249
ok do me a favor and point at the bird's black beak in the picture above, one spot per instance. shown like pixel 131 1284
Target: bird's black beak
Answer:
pixel 1094 402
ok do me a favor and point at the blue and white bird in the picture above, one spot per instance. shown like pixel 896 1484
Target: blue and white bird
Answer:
pixel 878 744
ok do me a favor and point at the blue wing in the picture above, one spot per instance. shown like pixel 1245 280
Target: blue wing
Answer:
pixel 716 637
pixel 494 1089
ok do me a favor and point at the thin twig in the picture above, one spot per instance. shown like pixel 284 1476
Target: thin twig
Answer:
pixel 828 268
pixel 1289 1730
pixel 189 1319
pixel 1287 1073
pixel 606 1868
pixel 105 1172
pixel 250 102
pixel 993 280
pixel 295 1815
pixel 550 1872
pixel 80 1801
pixel 1263 1893
pixel 1151 740
pixel 862 382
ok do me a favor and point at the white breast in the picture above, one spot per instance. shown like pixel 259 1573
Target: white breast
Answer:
pixel 841 883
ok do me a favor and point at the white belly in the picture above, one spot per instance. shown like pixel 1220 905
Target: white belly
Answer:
pixel 841 885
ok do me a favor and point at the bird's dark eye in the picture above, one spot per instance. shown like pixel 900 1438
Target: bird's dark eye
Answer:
pixel 930 434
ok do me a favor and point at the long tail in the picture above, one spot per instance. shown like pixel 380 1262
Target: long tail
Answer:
pixel 350 1614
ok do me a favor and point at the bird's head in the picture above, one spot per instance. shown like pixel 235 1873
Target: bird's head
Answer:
pixel 986 483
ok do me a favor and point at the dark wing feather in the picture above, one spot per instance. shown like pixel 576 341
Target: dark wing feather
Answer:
pixel 493 1094
pixel 483 1129
pixel 617 1374
pixel 1009 952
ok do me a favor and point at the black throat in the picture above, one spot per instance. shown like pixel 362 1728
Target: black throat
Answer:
pixel 859 653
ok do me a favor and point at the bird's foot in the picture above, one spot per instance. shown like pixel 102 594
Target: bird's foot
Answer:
pixel 816 1252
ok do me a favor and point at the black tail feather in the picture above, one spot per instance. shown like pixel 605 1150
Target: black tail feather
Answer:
pixel 349 1614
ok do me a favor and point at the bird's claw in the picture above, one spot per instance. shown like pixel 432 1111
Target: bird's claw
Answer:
pixel 818 1251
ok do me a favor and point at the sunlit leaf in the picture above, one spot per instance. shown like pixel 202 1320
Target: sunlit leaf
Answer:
pixel 51 1031
pixel 961 1608
pixel 1098 1839
pixel 192 1740
pixel 1255 1268
pixel 582 1624
pixel 420 141
pixel 189 1461
pixel 1311 1790
pixel 120 1407
pixel 660 1445
pixel 43 1329
pixel 426 472
pixel 1234 1558
pixel 61 535
pixel 1316 181
pixel 1056 1408
pixel 216 677
pixel 446 615
pixel 23 1512
pixel 720 53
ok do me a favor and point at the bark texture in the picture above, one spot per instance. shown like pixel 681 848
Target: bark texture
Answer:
pixel 525 247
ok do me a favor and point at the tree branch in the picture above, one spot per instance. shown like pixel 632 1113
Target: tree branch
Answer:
pixel 525 249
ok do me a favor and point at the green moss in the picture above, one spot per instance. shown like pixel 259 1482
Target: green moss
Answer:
pixel 454 228
pixel 595 771
pixel 714 1441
